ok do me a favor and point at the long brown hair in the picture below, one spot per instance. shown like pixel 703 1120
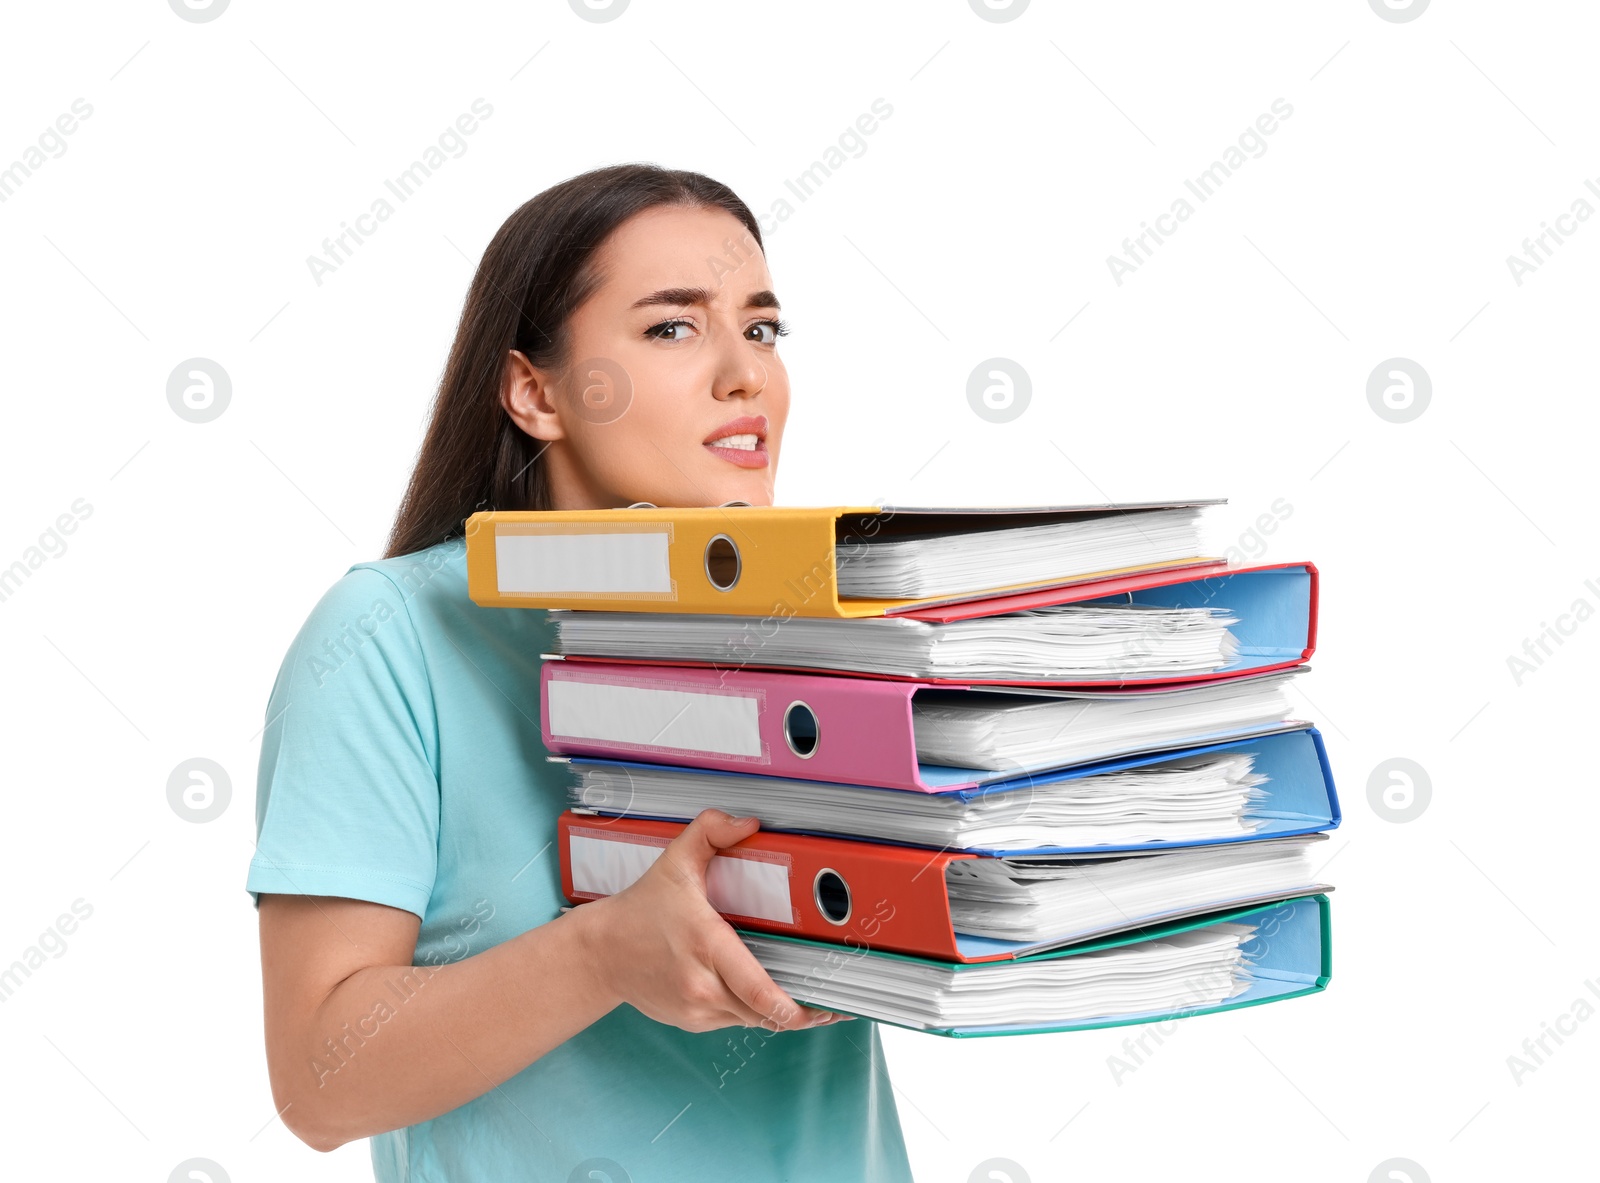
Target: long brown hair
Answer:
pixel 535 273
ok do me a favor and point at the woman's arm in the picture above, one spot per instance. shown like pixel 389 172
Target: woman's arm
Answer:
pixel 360 1041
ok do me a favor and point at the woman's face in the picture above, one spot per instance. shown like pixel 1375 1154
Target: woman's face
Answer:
pixel 674 392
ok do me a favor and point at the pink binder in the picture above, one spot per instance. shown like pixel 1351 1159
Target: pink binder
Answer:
pixel 826 727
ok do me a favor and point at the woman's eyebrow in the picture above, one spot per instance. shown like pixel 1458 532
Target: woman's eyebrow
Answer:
pixel 678 297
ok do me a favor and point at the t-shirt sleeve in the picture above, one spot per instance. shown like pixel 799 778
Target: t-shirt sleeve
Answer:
pixel 347 795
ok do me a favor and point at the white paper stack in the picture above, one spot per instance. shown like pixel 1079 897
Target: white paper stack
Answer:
pixel 1060 642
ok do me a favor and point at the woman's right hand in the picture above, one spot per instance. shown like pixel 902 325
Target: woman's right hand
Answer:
pixel 662 948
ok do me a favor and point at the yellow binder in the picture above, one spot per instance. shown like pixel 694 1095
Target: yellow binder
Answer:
pixel 761 560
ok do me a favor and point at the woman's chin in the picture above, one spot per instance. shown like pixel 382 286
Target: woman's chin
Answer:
pixel 753 485
pixel 755 492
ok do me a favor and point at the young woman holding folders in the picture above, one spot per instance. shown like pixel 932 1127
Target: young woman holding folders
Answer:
pixel 422 987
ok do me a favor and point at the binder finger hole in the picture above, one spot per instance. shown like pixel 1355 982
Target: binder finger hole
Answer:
pixel 801 730
pixel 832 895
pixel 722 562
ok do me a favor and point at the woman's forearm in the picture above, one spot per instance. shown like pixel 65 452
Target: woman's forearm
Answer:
pixel 391 1046
pixel 357 1052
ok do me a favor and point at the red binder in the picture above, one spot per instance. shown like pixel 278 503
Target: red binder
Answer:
pixel 865 895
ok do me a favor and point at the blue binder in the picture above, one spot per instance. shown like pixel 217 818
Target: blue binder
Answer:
pixel 1300 794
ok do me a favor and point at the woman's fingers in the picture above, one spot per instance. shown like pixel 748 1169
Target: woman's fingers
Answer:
pixel 756 991
pixel 665 920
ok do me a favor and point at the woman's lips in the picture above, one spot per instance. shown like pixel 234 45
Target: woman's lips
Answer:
pixel 745 458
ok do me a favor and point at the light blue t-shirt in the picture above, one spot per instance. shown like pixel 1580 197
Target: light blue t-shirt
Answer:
pixel 402 763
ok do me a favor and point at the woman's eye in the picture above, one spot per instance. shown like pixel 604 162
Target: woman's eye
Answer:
pixel 766 332
pixel 665 330
pixel 770 331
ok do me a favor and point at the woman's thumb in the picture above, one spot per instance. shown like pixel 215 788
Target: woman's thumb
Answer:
pixel 713 830
pixel 709 831
pixel 687 856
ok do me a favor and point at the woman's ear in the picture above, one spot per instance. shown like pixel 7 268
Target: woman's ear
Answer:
pixel 525 395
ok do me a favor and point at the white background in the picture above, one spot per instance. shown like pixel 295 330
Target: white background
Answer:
pixel 975 224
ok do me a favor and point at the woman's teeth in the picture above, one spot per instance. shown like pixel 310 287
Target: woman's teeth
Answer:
pixel 745 443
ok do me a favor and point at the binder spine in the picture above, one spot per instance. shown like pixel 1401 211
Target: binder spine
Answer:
pixel 810 727
pixel 860 895
pixel 746 560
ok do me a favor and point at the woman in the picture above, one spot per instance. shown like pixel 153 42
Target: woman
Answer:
pixel 422 987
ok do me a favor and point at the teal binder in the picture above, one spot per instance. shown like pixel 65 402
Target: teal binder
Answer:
pixel 1290 955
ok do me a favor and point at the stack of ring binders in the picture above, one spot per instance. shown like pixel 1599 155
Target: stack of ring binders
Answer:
pixel 1018 769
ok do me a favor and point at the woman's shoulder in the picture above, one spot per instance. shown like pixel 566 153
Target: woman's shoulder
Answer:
pixel 438 570
pixel 377 614
pixel 412 587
